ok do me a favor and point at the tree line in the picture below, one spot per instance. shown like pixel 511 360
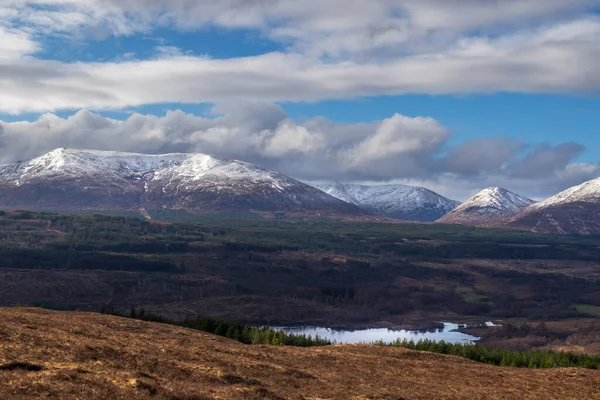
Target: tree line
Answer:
pixel 243 333
pixel 501 357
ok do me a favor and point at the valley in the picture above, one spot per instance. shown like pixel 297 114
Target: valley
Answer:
pixel 283 200
pixel 295 272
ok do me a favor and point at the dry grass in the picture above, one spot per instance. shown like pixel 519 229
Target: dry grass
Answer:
pixel 581 335
pixel 58 355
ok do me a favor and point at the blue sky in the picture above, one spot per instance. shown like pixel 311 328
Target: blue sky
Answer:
pixel 385 91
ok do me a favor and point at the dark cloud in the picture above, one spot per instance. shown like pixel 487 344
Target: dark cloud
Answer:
pixel 2 138
pixel 480 156
pixel 545 161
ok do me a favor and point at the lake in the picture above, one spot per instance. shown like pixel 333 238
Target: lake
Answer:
pixel 447 333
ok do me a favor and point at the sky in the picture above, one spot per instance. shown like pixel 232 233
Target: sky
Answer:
pixel 453 95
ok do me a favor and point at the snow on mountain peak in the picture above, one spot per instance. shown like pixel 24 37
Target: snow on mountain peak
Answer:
pixel 69 178
pixel 587 192
pixel 490 204
pixel 77 163
pixel 499 199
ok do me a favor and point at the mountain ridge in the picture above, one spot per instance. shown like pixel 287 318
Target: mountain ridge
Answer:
pixel 404 202
pixel 194 182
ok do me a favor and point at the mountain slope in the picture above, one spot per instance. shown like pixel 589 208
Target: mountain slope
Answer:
pixel 490 204
pixel 67 179
pixel 396 201
pixel 573 211
pixel 68 355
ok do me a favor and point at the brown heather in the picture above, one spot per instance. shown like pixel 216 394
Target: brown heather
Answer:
pixel 67 355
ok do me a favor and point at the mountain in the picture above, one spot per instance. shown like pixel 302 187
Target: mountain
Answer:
pixel 588 192
pixel 573 211
pixel 490 204
pixel 67 179
pixel 396 201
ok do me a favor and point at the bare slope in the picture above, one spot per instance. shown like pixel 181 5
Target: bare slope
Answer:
pixel 88 356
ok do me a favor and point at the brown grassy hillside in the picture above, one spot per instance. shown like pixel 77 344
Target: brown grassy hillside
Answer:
pixel 59 355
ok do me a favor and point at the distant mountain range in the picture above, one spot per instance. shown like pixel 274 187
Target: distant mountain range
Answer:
pixel 72 180
pixel 573 211
pixel 403 202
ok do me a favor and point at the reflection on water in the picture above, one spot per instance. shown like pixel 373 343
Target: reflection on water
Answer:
pixel 447 333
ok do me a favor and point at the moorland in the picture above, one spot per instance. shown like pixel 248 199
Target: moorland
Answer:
pixel 74 355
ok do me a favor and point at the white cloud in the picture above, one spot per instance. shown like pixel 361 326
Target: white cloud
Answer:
pixel 331 27
pixel 14 44
pixel 551 67
pixel 290 138
pixel 398 137
pixel 334 49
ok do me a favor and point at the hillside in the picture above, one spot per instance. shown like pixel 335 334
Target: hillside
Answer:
pixel 403 202
pixel 78 355
pixel 573 211
pixel 581 218
pixel 68 179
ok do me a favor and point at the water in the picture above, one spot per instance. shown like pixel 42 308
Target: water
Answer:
pixel 447 333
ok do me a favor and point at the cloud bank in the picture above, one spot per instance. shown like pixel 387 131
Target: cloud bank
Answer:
pixel 396 149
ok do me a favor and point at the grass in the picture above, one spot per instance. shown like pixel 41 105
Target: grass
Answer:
pixel 475 298
pixel 587 309
pixel 94 356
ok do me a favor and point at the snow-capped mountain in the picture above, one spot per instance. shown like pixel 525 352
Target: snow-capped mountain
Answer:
pixel 588 192
pixel 573 211
pixel 490 204
pixel 396 201
pixel 66 179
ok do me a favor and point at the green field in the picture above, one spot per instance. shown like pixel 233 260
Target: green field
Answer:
pixel 588 309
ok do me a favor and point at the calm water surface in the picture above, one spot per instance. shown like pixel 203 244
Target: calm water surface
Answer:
pixel 448 334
